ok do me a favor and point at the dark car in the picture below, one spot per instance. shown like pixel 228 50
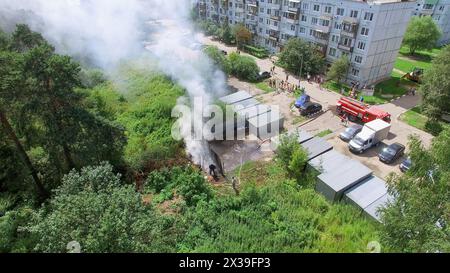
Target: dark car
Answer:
pixel 264 75
pixel 310 108
pixel 350 132
pixel 391 153
pixel 406 165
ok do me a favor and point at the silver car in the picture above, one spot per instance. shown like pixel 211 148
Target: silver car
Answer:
pixel 350 132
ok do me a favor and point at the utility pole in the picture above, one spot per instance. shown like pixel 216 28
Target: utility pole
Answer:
pixel 300 75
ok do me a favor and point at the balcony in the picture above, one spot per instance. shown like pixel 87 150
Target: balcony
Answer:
pixel 345 47
pixel 294 5
pixel 321 37
pixel 291 17
pixel 274 35
pixel 349 27
pixel 275 17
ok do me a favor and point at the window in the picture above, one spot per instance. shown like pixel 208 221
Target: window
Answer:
pixel 332 52
pixel 293 27
pixel 305 6
pixel 340 12
pixel 358 59
pixel 364 31
pixel 325 23
pixel 304 18
pixel 327 9
pixel 361 45
pixel 335 38
pixel 337 25
pixel 314 21
pixel 316 8
pixel 441 8
pixel 302 30
pixel 354 14
pixel 355 72
pixel 368 16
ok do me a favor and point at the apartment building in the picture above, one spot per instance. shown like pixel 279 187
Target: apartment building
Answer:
pixel 439 10
pixel 369 32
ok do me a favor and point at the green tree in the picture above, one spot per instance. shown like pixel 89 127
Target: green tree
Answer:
pixel 4 40
pixel 417 219
pixel 243 67
pixel 218 58
pixel 422 34
pixel 435 87
pixel 24 39
pixel 242 34
pixel 339 69
pixel 226 33
pixel 299 55
pixel 11 93
pixel 292 156
pixel 103 220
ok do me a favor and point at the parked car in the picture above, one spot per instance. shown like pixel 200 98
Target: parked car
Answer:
pixel 406 165
pixel 264 75
pixel 302 100
pixel 391 153
pixel 350 132
pixel 310 108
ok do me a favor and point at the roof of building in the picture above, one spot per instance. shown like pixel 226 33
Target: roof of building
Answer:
pixel 328 162
pixel 236 97
pixel 254 110
pixel 265 119
pixel 373 209
pixel 244 104
pixel 346 176
pixel 316 146
pixel 367 192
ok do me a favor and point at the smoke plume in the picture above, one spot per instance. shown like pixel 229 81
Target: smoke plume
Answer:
pixel 108 32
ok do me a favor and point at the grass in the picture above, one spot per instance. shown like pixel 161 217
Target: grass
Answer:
pixel 383 91
pixel 298 120
pixel 264 86
pixel 415 118
pixel 324 133
pixel 422 59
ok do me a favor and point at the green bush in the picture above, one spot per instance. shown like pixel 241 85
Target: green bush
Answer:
pixel 243 67
pixel 261 53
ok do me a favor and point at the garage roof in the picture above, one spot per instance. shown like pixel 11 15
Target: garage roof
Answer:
pixel 346 176
pixel 254 110
pixel 372 210
pixel 265 119
pixel 328 162
pixel 245 103
pixel 316 146
pixel 367 192
pixel 236 97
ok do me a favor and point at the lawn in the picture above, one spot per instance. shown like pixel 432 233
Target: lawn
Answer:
pixel 406 62
pixel 414 118
pixel 324 133
pixel 298 120
pixel 264 87
pixel 383 92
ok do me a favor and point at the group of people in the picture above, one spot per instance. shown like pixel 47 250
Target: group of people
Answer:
pixel 283 86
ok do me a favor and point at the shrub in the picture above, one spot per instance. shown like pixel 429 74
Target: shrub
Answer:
pixel 243 67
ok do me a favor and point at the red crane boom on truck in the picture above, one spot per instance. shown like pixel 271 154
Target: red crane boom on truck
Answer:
pixel 357 110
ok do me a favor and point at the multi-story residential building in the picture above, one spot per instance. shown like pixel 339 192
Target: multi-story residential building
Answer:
pixel 370 32
pixel 439 10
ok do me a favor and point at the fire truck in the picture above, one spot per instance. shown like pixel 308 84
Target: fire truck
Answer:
pixel 358 111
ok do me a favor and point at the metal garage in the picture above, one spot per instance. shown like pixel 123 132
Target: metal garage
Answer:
pixel 333 184
pixel 316 147
pixel 373 209
pixel 267 125
pixel 236 97
pixel 366 193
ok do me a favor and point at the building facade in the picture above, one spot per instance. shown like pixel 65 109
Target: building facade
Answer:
pixel 369 32
pixel 439 10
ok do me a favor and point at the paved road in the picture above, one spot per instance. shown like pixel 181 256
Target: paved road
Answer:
pixel 399 133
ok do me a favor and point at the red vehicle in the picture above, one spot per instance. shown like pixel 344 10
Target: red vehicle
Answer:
pixel 360 111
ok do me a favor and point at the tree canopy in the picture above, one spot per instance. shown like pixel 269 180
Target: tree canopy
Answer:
pixel 299 55
pixel 435 87
pixel 417 219
pixel 422 34
pixel 339 69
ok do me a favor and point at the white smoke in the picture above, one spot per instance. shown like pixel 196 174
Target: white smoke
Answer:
pixel 111 31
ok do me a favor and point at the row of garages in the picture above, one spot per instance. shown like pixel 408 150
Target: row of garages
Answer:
pixel 342 179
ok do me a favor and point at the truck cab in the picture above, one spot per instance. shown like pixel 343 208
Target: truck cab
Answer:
pixel 371 135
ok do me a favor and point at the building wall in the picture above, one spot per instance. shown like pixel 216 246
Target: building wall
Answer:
pixel 440 11
pixel 369 32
